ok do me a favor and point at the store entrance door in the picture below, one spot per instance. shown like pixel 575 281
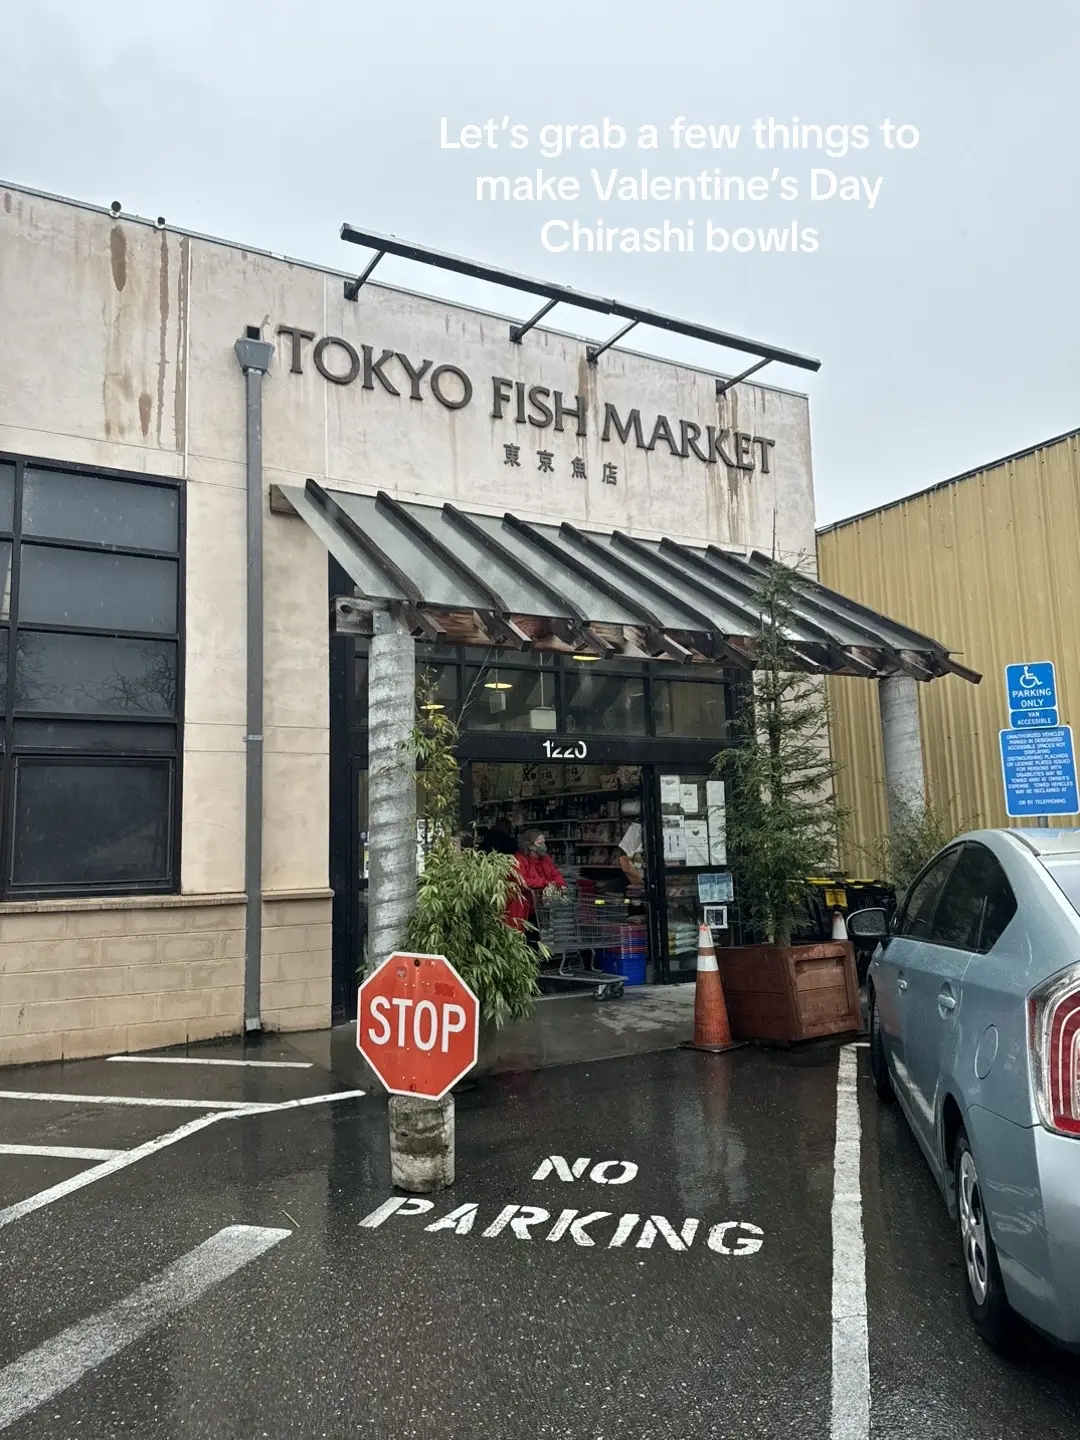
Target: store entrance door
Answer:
pixel 693 880
pixel 593 822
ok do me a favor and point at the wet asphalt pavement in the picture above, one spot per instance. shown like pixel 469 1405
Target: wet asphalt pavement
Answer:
pixel 394 1330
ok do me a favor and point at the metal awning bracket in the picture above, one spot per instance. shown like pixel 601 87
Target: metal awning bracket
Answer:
pixel 505 631
pixel 593 352
pixel 659 642
pixel 517 331
pixel 352 287
pixel 723 386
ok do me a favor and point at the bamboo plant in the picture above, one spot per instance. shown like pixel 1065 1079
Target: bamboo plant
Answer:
pixel 462 893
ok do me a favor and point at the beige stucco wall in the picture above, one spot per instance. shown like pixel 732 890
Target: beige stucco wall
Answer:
pixel 117 351
pixel 93 977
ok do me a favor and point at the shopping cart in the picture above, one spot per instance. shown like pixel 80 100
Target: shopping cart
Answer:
pixel 573 927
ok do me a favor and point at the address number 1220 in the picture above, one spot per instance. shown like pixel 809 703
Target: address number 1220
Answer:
pixel 565 752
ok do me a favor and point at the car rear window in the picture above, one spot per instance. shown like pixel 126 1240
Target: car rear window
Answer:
pixel 1066 875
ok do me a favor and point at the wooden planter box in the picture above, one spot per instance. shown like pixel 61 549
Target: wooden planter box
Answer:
pixel 789 993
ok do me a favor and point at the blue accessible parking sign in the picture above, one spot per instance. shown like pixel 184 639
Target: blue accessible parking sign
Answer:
pixel 1032 692
pixel 1039 771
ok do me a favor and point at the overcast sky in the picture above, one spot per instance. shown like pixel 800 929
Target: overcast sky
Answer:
pixel 947 318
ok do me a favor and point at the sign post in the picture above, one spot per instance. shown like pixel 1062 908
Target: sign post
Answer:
pixel 1038 765
pixel 418 1026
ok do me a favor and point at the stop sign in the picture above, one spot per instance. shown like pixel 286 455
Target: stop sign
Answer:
pixel 417 1025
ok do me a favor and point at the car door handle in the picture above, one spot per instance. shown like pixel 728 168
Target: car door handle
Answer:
pixel 946 1000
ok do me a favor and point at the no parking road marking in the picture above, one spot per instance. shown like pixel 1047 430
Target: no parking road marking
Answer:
pixel 729 1237
pixel 59 1363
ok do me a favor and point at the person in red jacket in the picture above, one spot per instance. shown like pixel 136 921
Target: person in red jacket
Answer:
pixel 535 871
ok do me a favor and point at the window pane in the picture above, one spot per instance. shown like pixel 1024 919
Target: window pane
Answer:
pixel 500 699
pixel 83 588
pixel 977 903
pixel 94 675
pixel 63 506
pixel 683 708
pixel 919 909
pixel 92 735
pixel 439 684
pixel 5 580
pixel 7 494
pixel 599 703
pixel 92 824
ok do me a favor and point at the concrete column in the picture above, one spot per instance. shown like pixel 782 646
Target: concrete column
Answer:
pixel 421 1143
pixel 901 745
pixel 421 1131
pixel 391 784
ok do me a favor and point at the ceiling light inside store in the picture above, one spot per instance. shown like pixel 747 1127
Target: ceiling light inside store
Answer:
pixel 433 707
pixel 586 657
pixel 498 685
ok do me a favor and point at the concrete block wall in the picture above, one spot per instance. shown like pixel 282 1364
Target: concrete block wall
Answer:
pixel 104 976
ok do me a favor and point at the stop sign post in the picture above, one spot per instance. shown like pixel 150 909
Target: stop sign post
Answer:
pixel 418 1025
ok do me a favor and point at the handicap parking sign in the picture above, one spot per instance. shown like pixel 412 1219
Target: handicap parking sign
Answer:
pixel 1032 694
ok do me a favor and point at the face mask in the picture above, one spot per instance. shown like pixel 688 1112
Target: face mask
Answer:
pixel 539 848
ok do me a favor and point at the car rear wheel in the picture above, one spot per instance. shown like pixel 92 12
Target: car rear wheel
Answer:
pixel 879 1066
pixel 987 1305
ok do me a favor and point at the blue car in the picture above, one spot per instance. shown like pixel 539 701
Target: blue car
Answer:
pixel 974 1016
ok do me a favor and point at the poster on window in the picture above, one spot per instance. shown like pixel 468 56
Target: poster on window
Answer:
pixel 670 790
pixel 714 794
pixel 717 837
pixel 690 797
pixel 674 839
pixel 697 843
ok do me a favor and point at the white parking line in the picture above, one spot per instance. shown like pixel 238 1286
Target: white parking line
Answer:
pixel 134 1100
pixel 130 1157
pixel 59 1152
pixel 191 1060
pixel 850 1343
pixel 59 1363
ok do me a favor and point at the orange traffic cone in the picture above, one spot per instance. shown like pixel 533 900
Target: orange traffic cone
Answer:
pixel 711 1028
pixel 839 926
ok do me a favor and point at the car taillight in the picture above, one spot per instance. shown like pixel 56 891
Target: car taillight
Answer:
pixel 1054 1037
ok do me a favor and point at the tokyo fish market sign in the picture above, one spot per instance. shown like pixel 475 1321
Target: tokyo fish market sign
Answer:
pixel 516 403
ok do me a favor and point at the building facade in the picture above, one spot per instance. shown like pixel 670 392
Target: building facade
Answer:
pixel 988 561
pixel 123 530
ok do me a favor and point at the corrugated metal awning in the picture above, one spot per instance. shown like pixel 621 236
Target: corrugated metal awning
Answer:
pixel 486 579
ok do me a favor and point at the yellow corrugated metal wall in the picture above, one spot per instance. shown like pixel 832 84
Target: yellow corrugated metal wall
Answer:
pixel 989 565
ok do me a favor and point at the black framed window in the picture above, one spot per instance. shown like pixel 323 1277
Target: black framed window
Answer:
pixel 977 903
pixel 602 699
pixel 511 697
pixel 91 670
pixel 918 912
pixel 534 690
pixel 697 709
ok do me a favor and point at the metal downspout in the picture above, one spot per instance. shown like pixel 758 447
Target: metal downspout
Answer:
pixel 254 355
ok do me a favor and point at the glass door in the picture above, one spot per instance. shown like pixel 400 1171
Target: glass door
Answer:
pixel 694 880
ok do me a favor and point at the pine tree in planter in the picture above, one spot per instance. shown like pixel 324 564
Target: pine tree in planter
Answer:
pixel 783 822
